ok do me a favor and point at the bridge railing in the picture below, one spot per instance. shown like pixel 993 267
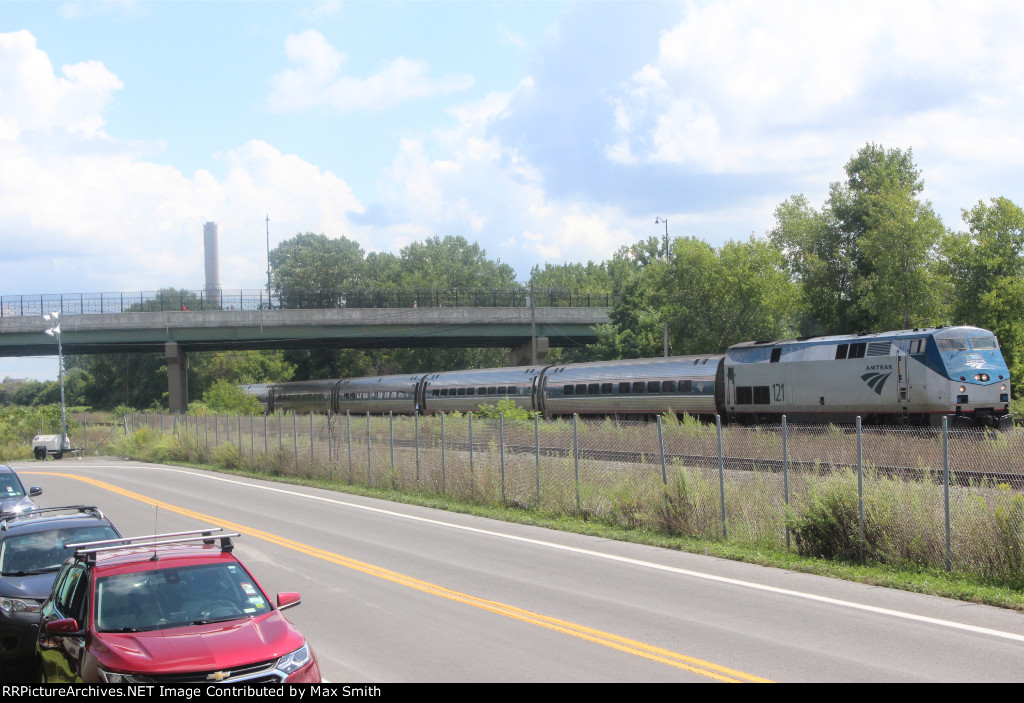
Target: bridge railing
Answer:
pixel 186 301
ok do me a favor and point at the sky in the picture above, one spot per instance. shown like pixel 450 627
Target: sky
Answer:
pixel 544 131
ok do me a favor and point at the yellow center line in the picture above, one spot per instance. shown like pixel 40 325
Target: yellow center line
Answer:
pixel 607 639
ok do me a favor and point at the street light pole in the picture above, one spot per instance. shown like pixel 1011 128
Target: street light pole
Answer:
pixel 54 331
pixel 664 326
pixel 268 260
pixel 658 221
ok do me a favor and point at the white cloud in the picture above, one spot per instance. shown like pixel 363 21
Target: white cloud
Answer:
pixel 741 86
pixel 98 217
pixel 315 80
pixel 34 99
pixel 485 190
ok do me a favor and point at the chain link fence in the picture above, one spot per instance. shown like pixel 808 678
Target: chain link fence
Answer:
pixel 928 497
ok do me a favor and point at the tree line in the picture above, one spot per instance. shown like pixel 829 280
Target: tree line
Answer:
pixel 873 257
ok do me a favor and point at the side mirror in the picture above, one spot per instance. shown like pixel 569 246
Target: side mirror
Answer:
pixel 288 600
pixel 35 491
pixel 67 626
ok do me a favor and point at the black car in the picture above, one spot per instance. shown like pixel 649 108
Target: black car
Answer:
pixel 13 497
pixel 32 549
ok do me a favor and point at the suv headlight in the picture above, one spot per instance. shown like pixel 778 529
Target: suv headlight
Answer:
pixel 290 663
pixel 114 677
pixel 18 605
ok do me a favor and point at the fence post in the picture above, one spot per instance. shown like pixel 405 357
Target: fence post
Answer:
pixel 945 482
pixel 661 448
pixel 576 456
pixel 721 474
pixel 330 449
pixel 860 491
pixel 443 482
pixel 501 441
pixel 391 425
pixel 295 439
pixel 369 474
pixel 416 419
pixel 266 440
pixel 252 435
pixel 280 432
pixel 471 491
pixel 216 430
pixel 311 443
pixel 536 450
pixel 785 473
pixel 85 436
pixel 239 434
pixel 348 441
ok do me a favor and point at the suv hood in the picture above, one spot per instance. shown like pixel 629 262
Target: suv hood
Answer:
pixel 35 586
pixel 11 505
pixel 198 648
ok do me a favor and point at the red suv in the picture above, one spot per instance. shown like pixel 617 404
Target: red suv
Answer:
pixel 175 609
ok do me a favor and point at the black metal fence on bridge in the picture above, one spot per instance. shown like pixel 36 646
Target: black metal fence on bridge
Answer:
pixel 187 301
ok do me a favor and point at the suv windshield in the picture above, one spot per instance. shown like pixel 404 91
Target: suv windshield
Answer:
pixel 177 596
pixel 37 552
pixel 10 486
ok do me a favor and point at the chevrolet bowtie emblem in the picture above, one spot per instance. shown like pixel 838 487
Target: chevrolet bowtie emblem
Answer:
pixel 218 676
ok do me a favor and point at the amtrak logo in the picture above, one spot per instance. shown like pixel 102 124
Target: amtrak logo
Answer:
pixel 700 387
pixel 876 381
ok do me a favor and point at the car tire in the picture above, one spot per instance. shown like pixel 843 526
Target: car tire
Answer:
pixel 59 455
pixel 40 453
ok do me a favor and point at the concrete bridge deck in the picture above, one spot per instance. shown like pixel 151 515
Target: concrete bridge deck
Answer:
pixel 177 333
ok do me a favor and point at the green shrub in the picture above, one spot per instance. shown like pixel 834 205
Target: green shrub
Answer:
pixel 827 525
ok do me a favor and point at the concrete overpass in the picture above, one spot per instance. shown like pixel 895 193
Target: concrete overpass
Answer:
pixel 177 333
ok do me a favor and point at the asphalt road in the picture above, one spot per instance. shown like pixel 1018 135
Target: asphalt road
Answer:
pixel 401 593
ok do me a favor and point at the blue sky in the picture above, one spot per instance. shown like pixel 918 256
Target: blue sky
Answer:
pixel 545 131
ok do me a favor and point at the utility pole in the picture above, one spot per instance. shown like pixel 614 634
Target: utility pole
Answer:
pixel 268 260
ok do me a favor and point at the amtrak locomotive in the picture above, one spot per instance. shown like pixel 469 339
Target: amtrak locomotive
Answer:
pixel 905 377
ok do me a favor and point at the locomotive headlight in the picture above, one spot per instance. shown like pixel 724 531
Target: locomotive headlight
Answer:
pixel 1002 387
pixel 984 377
pixel 961 389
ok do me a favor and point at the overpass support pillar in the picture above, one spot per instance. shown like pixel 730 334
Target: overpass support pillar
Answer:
pixel 177 377
pixel 523 354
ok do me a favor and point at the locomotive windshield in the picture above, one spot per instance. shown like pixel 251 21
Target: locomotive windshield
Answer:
pixel 952 343
pixel 984 343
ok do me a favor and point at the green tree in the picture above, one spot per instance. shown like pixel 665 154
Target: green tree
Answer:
pixel 451 262
pixel 985 268
pixel 867 261
pixel 315 271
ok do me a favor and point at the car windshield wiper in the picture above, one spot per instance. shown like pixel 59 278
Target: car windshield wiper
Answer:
pixel 31 572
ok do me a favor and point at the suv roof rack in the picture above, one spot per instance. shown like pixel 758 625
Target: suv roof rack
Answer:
pixel 89 550
pixel 35 512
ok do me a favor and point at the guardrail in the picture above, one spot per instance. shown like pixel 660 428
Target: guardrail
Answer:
pixel 187 301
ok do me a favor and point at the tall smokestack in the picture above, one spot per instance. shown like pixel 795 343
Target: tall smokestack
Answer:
pixel 210 235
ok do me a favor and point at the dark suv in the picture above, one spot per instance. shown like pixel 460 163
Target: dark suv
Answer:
pixel 173 609
pixel 13 497
pixel 33 545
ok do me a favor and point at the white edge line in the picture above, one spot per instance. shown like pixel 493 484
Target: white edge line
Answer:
pixel 625 560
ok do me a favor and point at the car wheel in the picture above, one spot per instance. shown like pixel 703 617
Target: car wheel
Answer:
pixel 58 455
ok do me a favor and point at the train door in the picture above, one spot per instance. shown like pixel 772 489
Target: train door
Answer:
pixel 903 377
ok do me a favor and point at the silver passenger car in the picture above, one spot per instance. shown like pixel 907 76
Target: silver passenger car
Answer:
pixel 634 388
pixel 466 391
pixel 377 394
